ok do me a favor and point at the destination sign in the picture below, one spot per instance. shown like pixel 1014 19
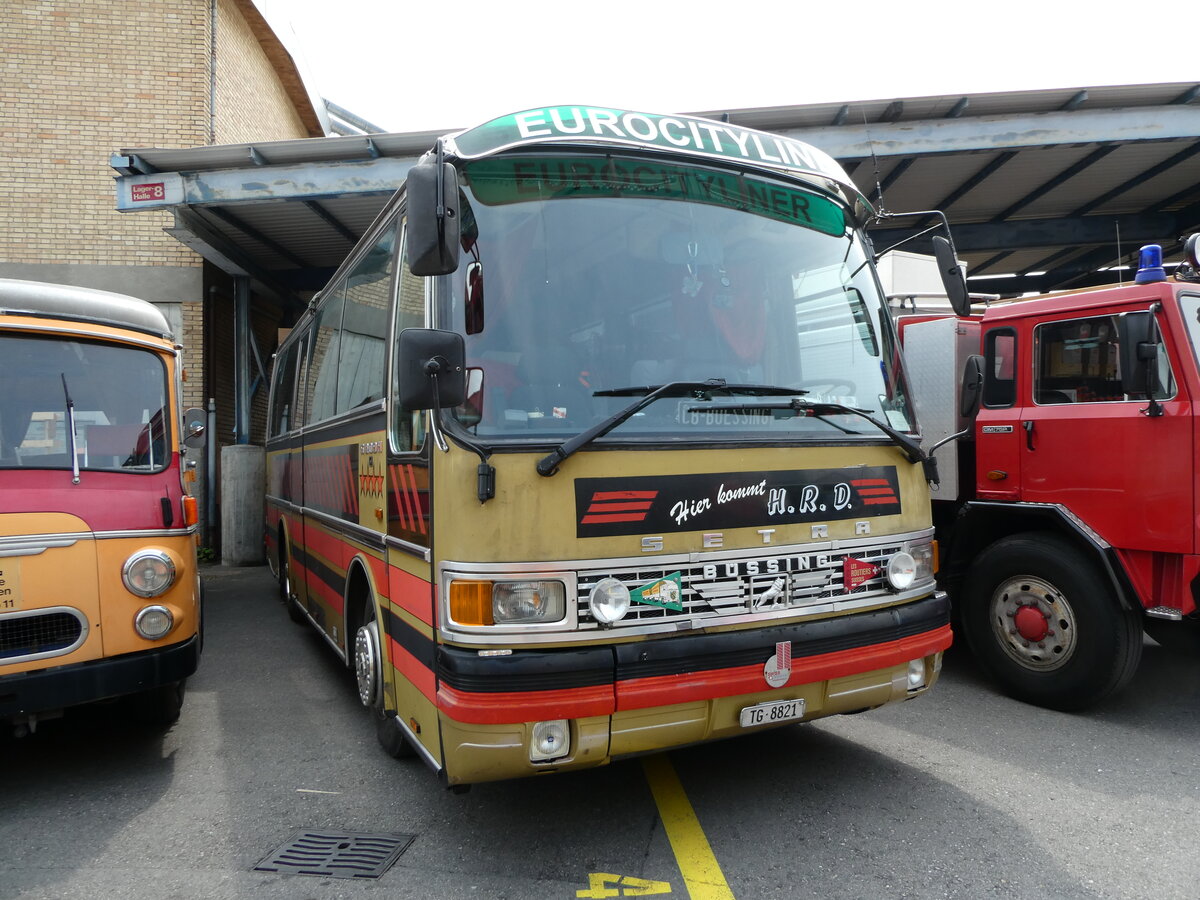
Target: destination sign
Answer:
pixel 515 180
pixel 687 134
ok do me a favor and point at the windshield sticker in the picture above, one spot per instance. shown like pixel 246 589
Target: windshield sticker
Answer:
pixel 686 134
pixel 667 592
pixel 501 181
pixel 674 503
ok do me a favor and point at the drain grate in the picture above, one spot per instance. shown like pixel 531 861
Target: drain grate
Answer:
pixel 337 854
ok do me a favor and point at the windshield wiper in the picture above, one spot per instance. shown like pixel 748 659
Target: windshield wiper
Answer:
pixel 70 423
pixel 646 395
pixel 819 410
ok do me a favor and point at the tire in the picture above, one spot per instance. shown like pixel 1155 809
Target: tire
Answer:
pixel 159 706
pixel 368 674
pixel 295 613
pixel 1044 622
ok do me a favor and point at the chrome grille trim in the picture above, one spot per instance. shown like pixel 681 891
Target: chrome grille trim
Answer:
pixel 11 628
pixel 724 605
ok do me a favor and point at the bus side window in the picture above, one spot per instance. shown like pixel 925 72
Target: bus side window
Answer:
pixel 364 324
pixel 407 427
pixel 321 384
pixel 283 400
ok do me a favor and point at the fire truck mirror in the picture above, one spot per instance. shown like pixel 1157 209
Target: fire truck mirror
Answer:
pixel 1138 335
pixel 971 392
pixel 953 279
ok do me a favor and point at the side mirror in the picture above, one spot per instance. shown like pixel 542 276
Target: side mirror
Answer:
pixel 970 394
pixel 433 225
pixel 1138 335
pixel 193 427
pixel 430 371
pixel 953 279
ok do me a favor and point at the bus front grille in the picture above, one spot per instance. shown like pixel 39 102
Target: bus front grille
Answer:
pixel 40 633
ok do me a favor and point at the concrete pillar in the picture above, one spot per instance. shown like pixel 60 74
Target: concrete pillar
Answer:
pixel 243 468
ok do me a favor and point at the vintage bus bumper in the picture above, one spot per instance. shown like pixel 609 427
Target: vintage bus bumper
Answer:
pixel 627 699
pixel 45 690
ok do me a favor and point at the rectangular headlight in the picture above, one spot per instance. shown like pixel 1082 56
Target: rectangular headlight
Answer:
pixel 519 602
pixel 922 555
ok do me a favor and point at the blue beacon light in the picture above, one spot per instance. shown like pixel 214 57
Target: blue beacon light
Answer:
pixel 1150 267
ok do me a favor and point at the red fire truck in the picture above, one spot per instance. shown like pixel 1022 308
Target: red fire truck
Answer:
pixel 1067 510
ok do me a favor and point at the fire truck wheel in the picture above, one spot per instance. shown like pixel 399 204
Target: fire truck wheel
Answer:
pixel 1046 624
pixel 368 671
pixel 295 613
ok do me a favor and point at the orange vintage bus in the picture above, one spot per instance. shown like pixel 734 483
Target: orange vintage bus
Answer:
pixel 99 588
pixel 599 443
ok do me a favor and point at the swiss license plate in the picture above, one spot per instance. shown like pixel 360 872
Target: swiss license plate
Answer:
pixel 771 712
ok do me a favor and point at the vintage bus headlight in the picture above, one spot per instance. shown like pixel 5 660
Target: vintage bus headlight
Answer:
pixel 520 602
pixel 148 573
pixel 922 555
pixel 549 740
pixel 608 601
pixel 507 602
pixel 154 622
pixel 901 571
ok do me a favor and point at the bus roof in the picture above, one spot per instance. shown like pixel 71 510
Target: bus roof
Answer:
pixel 690 135
pixel 81 304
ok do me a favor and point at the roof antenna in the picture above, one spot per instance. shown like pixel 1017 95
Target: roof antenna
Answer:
pixel 875 162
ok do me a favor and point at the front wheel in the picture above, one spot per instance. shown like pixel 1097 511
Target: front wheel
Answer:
pixel 368 673
pixel 159 706
pixel 1046 624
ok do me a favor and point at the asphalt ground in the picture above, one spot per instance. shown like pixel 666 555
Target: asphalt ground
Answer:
pixel 961 793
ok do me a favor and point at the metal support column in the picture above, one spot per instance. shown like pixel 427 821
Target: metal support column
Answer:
pixel 242 338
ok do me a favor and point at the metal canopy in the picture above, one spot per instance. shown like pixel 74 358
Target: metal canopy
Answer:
pixel 1043 188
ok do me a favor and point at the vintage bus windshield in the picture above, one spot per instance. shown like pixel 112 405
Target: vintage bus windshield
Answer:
pixel 119 399
pixel 586 274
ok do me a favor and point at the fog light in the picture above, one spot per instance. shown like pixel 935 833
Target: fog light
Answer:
pixel 916 674
pixel 549 740
pixel 154 622
pixel 148 573
pixel 901 571
pixel 608 601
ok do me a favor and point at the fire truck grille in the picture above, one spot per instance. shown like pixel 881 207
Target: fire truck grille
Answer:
pixel 28 634
pixel 763 584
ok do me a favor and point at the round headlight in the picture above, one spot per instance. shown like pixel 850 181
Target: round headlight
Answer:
pixel 148 573
pixel 901 571
pixel 153 622
pixel 608 601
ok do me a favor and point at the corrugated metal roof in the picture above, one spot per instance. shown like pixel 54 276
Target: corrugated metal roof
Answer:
pixel 1032 181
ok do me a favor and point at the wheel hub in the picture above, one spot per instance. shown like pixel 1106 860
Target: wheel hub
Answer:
pixel 366 663
pixel 1033 623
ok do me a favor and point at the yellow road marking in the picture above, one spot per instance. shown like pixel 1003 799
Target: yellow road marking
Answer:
pixel 699 867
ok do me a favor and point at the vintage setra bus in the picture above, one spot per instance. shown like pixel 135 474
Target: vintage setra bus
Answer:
pixel 599 443
pixel 99 587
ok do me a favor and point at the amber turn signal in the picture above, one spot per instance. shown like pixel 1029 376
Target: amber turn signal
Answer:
pixel 471 602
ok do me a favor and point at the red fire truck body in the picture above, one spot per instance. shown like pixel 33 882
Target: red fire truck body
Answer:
pixel 1067 511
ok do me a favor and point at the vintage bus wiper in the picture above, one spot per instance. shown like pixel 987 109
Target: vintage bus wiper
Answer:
pixel 646 395
pixel 71 430
pixel 818 410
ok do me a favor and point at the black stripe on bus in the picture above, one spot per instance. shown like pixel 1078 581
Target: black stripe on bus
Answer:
pixel 329 576
pixel 419 645
pixel 525 670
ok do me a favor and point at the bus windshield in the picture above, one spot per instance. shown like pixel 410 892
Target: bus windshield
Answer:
pixel 585 275
pixel 116 395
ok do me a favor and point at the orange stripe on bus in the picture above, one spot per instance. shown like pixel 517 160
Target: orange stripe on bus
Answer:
pixel 500 708
pixel 665 690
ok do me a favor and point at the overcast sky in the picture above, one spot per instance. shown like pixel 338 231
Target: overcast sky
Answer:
pixel 423 65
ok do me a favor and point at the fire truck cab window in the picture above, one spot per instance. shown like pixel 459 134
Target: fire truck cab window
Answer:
pixel 1000 382
pixel 1078 361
